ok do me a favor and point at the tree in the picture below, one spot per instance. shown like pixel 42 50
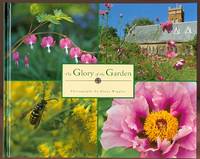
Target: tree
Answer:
pixel 109 32
pixel 138 22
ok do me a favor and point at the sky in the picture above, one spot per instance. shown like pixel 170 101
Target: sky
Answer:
pixel 152 11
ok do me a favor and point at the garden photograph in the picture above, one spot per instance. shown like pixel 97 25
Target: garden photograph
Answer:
pixel 40 123
pixel 162 45
pixel 42 37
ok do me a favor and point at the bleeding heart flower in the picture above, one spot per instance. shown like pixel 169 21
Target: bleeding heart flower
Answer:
pixel 94 59
pixel 30 40
pixel 26 61
pixel 88 58
pixel 170 54
pixel 16 57
pixel 103 12
pixel 65 43
pixel 75 53
pixel 47 42
pixel 160 122
pixel 108 5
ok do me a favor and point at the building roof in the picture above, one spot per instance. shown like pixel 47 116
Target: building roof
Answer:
pixel 182 32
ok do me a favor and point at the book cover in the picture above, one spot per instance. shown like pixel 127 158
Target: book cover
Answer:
pixel 100 80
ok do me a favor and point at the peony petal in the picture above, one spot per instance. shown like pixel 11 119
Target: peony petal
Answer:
pixel 113 139
pixel 188 142
pixel 183 153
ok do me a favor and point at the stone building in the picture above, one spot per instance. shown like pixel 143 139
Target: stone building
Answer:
pixel 152 39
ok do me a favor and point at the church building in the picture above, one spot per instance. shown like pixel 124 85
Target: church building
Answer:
pixel 152 39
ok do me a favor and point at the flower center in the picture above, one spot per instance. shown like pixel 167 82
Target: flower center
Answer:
pixel 160 124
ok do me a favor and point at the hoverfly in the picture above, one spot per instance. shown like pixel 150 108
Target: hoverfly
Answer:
pixel 37 111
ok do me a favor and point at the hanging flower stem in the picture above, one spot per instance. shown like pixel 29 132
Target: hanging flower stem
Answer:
pixel 20 41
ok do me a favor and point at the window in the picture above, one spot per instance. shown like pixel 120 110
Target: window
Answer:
pixel 188 30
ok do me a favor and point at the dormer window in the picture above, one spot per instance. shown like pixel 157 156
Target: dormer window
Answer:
pixel 188 30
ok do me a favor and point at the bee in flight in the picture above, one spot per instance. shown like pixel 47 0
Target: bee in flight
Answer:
pixel 37 112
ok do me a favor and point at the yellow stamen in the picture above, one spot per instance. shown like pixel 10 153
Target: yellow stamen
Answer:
pixel 160 124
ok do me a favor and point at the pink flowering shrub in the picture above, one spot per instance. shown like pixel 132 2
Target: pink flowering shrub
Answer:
pixel 167 26
pixel 179 64
pixel 160 122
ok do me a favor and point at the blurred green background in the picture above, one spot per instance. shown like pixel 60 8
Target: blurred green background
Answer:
pixel 44 66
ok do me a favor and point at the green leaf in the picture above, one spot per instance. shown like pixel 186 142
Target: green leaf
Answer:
pixel 120 152
pixel 47 18
pixel 35 8
pixel 62 16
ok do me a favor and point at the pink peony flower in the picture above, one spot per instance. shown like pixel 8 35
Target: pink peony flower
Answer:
pixel 170 54
pixel 168 26
pixel 160 122
pixel 30 40
pixel 103 12
pixel 88 58
pixel 48 42
pixel 65 43
pixel 108 5
pixel 26 61
pixel 16 57
pixel 75 53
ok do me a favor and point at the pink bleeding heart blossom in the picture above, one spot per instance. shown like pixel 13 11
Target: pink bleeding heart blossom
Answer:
pixel 16 57
pixel 94 59
pixel 88 58
pixel 30 40
pixel 160 122
pixel 168 26
pixel 108 5
pixel 48 42
pixel 65 43
pixel 75 53
pixel 26 61
pixel 170 54
pixel 103 12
